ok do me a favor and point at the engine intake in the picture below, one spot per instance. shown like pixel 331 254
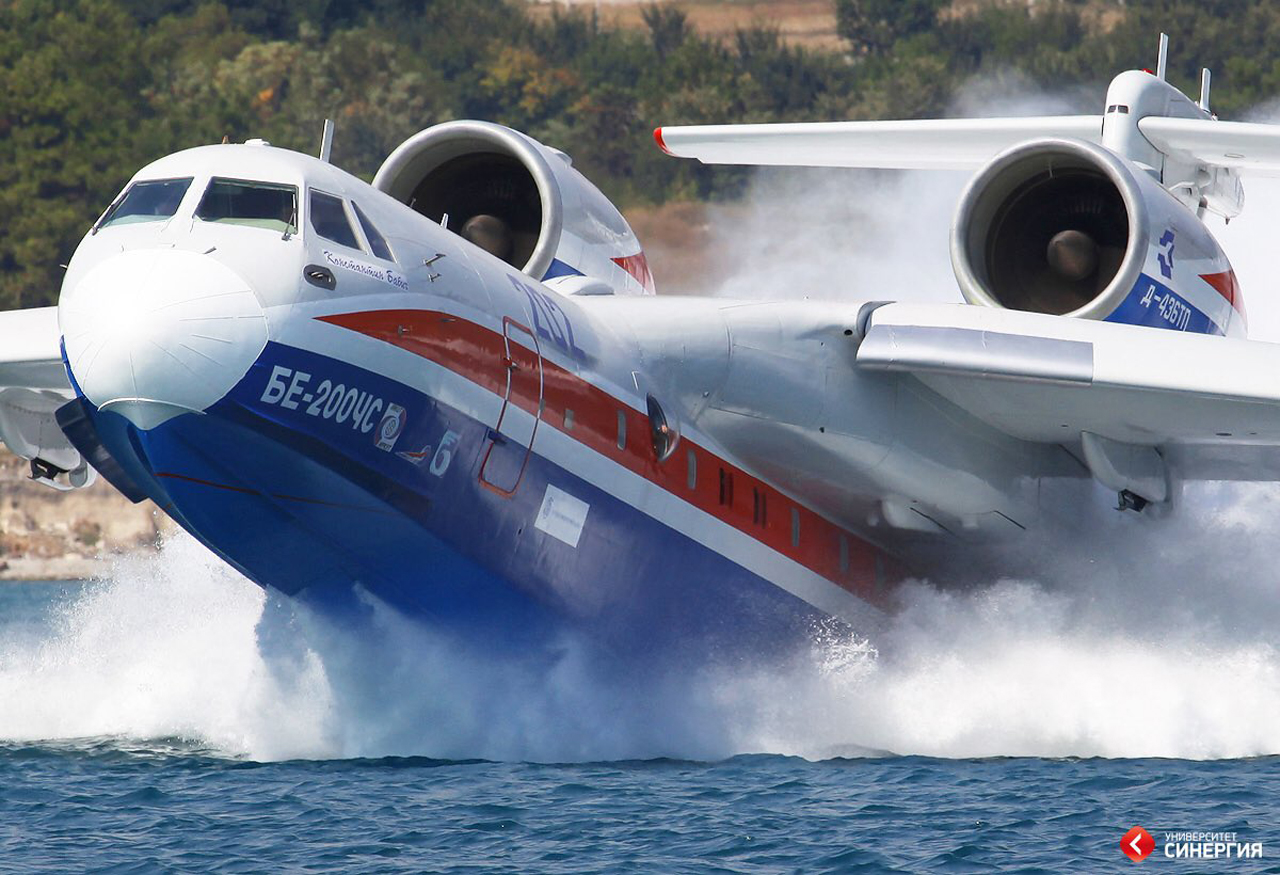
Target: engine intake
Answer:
pixel 520 201
pixel 1053 226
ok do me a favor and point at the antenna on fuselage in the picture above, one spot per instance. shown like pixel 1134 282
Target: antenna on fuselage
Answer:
pixel 326 140
pixel 1162 62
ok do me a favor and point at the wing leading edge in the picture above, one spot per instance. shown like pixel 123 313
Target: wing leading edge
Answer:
pixel 1208 405
pixel 962 144
pixel 917 144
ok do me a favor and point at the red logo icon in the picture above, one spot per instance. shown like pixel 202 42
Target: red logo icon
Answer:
pixel 1137 844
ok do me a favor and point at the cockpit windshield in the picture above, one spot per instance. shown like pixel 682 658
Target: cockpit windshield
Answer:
pixel 256 204
pixel 329 219
pixel 377 242
pixel 151 200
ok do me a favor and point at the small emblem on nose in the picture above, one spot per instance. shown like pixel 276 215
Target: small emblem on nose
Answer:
pixel 389 429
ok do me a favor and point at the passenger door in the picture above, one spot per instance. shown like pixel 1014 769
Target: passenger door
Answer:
pixel 510 441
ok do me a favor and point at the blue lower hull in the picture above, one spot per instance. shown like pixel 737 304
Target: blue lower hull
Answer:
pixel 317 510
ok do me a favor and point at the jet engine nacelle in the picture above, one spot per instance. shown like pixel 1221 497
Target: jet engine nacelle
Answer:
pixel 521 201
pixel 1067 227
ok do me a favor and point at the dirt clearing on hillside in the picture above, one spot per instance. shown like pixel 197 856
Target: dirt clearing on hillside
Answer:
pixel 807 23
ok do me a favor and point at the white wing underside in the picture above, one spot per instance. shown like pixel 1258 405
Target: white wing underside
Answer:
pixel 1252 149
pixel 962 144
pixel 33 384
pixel 1210 405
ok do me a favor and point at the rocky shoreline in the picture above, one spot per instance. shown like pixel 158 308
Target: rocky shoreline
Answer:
pixel 51 535
pixel 60 568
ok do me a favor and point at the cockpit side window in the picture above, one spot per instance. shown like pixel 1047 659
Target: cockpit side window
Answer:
pixel 329 219
pixel 377 242
pixel 256 204
pixel 151 200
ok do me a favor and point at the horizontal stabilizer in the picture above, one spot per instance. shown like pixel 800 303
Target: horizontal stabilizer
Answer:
pixel 1252 149
pixel 926 144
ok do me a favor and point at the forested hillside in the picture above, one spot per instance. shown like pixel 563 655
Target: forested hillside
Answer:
pixel 92 89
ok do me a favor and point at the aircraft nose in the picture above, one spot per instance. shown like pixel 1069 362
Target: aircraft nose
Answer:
pixel 151 334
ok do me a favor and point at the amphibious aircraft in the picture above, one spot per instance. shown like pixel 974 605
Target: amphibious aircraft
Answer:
pixel 454 389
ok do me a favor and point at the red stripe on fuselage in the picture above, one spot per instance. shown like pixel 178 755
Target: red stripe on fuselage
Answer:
pixel 588 414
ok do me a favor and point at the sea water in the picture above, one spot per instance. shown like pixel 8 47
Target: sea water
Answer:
pixel 172 717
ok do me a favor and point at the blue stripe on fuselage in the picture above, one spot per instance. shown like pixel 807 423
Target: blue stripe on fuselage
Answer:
pixel 313 506
pixel 1154 304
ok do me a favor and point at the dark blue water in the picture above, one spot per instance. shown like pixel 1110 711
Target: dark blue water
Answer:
pixel 147 724
pixel 164 805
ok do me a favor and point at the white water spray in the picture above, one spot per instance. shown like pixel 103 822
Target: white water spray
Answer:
pixel 1162 652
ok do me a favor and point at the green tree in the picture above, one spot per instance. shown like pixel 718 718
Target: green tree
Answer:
pixel 73 119
pixel 668 28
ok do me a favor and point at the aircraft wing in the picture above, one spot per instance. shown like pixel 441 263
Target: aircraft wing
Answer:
pixel 33 385
pixel 1209 405
pixel 30 350
pixel 925 144
pixel 1249 148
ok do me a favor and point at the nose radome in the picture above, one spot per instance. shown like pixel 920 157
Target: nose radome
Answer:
pixel 151 334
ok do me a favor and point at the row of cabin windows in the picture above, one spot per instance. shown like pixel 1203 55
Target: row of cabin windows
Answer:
pixel 759 499
pixel 243 202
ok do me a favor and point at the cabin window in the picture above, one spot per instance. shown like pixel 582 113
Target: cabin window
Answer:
pixel 795 527
pixel 693 469
pixel 377 243
pixel 759 507
pixel 568 419
pixel 622 430
pixel 149 201
pixel 255 204
pixel 844 555
pixel 726 488
pixel 330 221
